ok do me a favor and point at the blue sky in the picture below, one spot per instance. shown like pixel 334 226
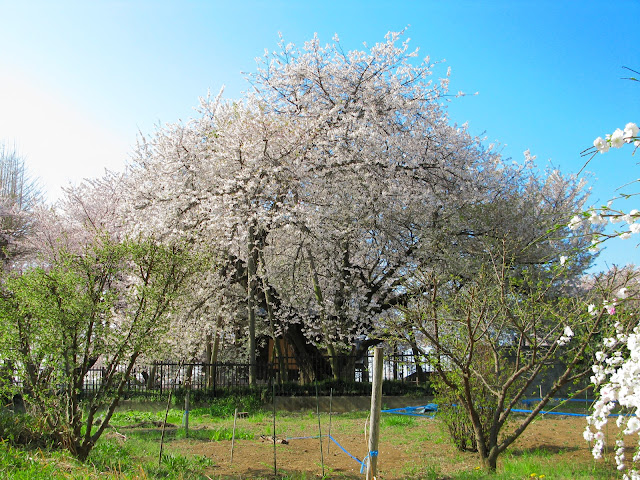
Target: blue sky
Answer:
pixel 79 80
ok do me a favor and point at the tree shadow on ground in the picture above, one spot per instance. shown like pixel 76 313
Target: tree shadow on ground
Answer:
pixel 544 450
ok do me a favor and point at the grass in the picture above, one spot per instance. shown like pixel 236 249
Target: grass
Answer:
pixel 137 456
pixel 399 421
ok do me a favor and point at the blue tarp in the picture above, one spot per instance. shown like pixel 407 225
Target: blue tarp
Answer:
pixel 428 410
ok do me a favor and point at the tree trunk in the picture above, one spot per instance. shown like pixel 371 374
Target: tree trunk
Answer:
pixel 333 360
pixel 208 371
pixel 490 461
pixel 251 302
pixel 282 372
pixel 151 380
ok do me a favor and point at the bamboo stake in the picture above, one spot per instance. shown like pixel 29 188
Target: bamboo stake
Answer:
pixel 319 429
pixel 376 407
pixel 329 439
pixel 233 434
pixel 275 469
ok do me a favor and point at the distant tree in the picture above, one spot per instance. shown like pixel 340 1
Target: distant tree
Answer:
pixel 18 195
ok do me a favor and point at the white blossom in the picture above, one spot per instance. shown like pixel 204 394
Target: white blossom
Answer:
pixel 566 336
pixel 617 138
pixel 575 222
pixel 601 145
pixel 630 132
pixel 619 386
pixel 597 219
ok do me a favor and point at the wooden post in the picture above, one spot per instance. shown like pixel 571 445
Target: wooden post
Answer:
pixel 376 407
pixel 185 418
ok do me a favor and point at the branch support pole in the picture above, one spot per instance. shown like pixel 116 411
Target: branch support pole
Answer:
pixel 376 407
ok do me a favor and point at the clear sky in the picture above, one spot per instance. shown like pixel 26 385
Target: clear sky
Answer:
pixel 79 80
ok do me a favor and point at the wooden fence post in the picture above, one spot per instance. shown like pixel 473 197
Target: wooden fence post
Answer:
pixel 376 407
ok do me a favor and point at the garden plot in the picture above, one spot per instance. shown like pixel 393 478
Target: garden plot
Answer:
pixel 410 447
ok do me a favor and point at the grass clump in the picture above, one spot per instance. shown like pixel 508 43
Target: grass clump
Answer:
pixel 398 421
pixel 178 467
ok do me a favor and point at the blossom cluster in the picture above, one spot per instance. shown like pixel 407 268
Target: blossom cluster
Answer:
pixel 605 215
pixel 566 336
pixel 615 375
pixel 618 138
pixel 602 216
pixel 610 307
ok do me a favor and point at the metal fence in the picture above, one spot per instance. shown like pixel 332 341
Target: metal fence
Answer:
pixel 161 377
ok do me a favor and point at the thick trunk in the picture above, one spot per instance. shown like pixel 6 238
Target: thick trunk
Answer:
pixel 151 379
pixel 490 461
pixel 308 358
pixel 208 372
pixel 277 351
pixel 333 360
pixel 251 301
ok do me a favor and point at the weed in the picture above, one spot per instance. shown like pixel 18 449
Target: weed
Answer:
pixel 220 434
pixel 398 421
pixel 111 456
pixel 423 471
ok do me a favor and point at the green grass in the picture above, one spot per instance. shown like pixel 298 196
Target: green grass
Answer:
pixel 403 421
pixel 544 464
pixel 137 457
pixel 110 456
pixel 131 417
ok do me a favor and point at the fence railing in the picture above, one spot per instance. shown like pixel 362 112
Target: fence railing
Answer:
pixel 160 377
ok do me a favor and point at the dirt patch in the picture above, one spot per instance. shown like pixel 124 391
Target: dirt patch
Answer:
pixel 403 452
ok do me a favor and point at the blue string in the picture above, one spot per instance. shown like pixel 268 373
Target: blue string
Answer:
pixel 581 400
pixel 343 449
pixel 333 440
pixel 543 412
pixel 364 462
pixel 371 454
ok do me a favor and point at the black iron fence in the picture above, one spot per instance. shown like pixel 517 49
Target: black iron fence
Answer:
pixel 161 377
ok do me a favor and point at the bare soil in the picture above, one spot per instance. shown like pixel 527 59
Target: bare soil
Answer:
pixel 404 451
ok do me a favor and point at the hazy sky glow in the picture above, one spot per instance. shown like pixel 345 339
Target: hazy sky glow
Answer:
pixel 79 80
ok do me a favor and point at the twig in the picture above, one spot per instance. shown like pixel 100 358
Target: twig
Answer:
pixel 166 414
pixel 233 435
pixel 319 428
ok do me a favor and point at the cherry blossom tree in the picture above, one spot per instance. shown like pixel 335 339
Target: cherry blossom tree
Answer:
pixel 325 187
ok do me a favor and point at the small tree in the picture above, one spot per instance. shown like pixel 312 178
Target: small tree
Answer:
pixel 106 306
pixel 490 340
